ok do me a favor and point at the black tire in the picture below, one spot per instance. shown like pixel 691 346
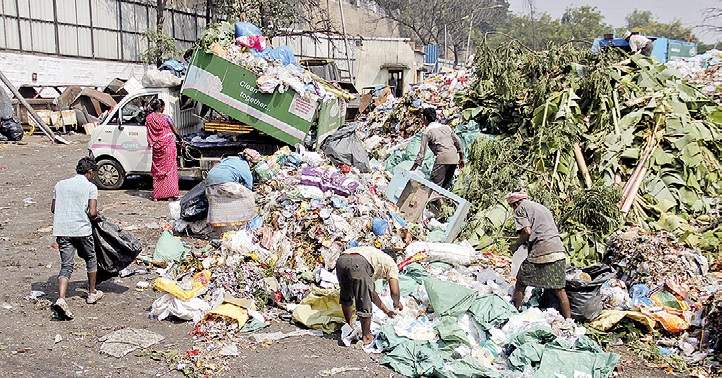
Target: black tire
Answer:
pixel 110 175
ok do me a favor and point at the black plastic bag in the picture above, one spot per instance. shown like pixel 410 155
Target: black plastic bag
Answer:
pixel 194 204
pixel 344 147
pixel 584 298
pixel 11 129
pixel 115 248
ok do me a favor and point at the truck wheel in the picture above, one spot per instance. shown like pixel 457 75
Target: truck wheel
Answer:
pixel 110 175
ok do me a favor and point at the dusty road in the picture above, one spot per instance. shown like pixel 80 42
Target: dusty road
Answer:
pixel 29 261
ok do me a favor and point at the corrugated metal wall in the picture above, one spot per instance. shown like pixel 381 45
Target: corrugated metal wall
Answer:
pixel 103 29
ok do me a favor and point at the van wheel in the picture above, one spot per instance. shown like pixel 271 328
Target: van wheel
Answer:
pixel 110 175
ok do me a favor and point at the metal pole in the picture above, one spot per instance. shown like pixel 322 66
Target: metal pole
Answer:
pixel 43 127
pixel 468 37
pixel 345 40
pixel 446 51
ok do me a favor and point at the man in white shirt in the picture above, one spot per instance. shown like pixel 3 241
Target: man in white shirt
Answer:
pixel 74 205
pixel 639 43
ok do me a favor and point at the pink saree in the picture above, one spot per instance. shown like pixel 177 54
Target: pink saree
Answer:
pixel 164 168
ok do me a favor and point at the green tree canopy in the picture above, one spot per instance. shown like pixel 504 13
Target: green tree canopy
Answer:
pixel 644 22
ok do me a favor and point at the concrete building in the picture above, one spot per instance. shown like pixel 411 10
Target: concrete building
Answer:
pixel 91 42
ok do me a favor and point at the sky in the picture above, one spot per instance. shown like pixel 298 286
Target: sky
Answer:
pixel 690 12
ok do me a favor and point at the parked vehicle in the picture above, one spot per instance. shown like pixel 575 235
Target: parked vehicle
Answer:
pixel 664 50
pixel 264 121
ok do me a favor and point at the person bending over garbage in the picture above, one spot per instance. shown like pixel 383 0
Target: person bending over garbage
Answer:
pixel 75 203
pixel 357 269
pixel 234 169
pixel 230 204
pixel 546 263
pixel 445 145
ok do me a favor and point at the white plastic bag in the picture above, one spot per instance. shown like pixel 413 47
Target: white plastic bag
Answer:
pixel 451 253
pixel 167 305
pixel 519 256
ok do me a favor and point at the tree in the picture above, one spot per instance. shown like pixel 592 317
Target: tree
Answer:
pixel 275 17
pixel 644 22
pixel 584 23
pixel 446 23
pixel 537 31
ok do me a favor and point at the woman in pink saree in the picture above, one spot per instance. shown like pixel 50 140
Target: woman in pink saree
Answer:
pixel 162 140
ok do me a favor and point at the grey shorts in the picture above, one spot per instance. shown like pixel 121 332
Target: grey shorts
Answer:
pixel 68 246
pixel 355 276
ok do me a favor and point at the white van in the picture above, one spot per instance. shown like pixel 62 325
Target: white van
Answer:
pixel 119 143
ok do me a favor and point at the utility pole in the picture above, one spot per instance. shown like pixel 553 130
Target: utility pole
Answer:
pixel 468 37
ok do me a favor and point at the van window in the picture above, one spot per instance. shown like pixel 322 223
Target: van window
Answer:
pixel 134 112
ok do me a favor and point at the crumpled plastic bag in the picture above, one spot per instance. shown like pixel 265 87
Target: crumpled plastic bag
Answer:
pixel 167 305
pixel 199 283
pixel 155 78
pixel 320 309
pixel 461 254
pixel 169 248
pixel 350 335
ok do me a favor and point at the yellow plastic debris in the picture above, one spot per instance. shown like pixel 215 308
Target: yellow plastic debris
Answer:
pixel 609 318
pixel 320 310
pixel 229 311
pixel 200 281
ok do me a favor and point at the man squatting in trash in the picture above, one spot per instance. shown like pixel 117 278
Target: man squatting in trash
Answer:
pixel 75 203
pixel 546 263
pixel 357 269
pixel 446 147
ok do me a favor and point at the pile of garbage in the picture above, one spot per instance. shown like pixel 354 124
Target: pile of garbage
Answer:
pixel 458 321
pixel 668 285
pixel 392 130
pixel 243 44
pixel 596 138
pixel 703 70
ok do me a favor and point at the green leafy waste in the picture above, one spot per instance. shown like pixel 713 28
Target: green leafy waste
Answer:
pixel 645 141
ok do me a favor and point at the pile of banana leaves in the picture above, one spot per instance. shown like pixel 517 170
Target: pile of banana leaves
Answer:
pixel 601 139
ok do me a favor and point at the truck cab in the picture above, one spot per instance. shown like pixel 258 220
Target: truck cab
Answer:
pixel 119 144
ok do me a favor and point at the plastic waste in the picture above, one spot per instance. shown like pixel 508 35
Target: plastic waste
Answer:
pixel 242 29
pixel 379 226
pixel 345 147
pixel 169 248
pixel 115 248
pixel 198 285
pixel 194 204
pixel 456 254
pixel 167 305
pixel 155 78
pixel 517 259
pixel 11 129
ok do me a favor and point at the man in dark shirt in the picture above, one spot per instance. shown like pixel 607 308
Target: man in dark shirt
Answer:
pixel 545 266
pixel 446 148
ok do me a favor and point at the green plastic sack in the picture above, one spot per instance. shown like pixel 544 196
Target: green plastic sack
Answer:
pixel 557 362
pixel 447 298
pixel 491 310
pixel 467 368
pixel 169 248
pixel 449 330
pixel 415 359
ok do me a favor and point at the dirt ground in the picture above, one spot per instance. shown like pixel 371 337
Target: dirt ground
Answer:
pixel 29 261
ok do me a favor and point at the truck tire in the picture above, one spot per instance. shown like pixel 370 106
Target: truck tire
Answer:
pixel 110 175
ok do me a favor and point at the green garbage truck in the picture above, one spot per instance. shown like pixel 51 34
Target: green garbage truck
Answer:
pixel 247 118
pixel 287 117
